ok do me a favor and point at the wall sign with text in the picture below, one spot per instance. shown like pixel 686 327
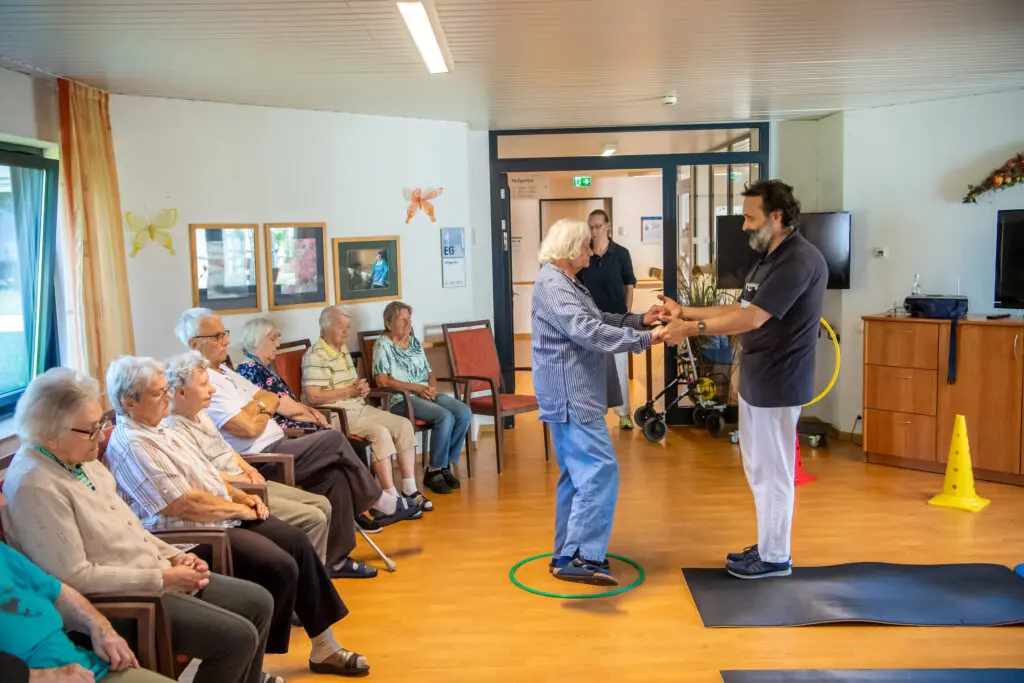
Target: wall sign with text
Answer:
pixel 453 257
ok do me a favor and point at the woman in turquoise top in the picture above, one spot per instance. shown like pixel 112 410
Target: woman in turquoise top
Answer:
pixel 35 608
pixel 400 363
pixel 379 273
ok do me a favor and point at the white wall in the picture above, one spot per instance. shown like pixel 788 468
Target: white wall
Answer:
pixel 28 108
pixel 905 171
pixel 632 198
pixel 238 164
pixel 479 238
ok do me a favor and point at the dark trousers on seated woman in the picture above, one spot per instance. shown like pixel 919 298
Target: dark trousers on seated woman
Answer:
pixel 325 464
pixel 280 558
pixel 449 420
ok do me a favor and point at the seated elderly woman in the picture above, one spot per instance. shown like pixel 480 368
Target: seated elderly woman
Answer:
pixel 260 340
pixel 65 514
pixel 35 610
pixel 400 363
pixel 329 378
pixel 170 484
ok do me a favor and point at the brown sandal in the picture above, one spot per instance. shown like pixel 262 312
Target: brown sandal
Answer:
pixel 341 663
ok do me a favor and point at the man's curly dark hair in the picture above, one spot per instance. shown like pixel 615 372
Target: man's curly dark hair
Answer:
pixel 776 196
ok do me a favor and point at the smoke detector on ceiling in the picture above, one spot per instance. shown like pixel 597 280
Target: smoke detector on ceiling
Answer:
pixel 669 100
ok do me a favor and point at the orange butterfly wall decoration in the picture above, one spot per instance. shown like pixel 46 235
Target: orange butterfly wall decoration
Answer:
pixel 420 199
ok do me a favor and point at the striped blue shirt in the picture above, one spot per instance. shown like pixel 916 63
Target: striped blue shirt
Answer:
pixel 571 342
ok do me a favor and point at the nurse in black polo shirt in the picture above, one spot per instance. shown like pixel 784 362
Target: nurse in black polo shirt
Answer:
pixel 777 318
pixel 610 279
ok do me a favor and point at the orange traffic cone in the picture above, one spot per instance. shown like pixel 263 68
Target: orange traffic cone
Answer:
pixel 958 488
pixel 801 476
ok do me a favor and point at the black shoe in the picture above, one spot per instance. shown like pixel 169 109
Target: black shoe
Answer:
pixel 450 479
pixel 435 481
pixel 401 513
pixel 367 524
pixel 749 553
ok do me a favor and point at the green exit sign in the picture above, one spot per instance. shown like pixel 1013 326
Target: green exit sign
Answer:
pixel 581 181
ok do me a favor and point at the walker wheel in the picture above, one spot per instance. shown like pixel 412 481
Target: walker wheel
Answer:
pixel 656 429
pixel 700 416
pixel 644 414
pixel 716 424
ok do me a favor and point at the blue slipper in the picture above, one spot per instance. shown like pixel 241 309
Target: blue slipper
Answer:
pixel 583 571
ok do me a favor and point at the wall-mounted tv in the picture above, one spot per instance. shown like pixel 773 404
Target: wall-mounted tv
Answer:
pixel 1010 259
pixel 828 231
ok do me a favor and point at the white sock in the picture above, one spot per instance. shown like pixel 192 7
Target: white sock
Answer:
pixel 392 491
pixel 387 503
pixel 409 486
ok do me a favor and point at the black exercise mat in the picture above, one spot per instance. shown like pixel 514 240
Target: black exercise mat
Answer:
pixel 871 592
pixel 877 676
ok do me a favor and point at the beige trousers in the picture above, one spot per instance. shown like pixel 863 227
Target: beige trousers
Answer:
pixel 386 432
pixel 307 511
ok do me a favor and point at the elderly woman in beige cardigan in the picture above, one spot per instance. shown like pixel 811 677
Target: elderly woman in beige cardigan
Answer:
pixel 65 515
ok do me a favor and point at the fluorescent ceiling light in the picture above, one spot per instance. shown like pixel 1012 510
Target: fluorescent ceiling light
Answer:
pixel 608 150
pixel 418 23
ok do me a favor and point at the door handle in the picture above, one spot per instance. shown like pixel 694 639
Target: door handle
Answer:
pixel 1016 339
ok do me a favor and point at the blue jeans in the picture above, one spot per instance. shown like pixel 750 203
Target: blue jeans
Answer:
pixel 449 420
pixel 587 489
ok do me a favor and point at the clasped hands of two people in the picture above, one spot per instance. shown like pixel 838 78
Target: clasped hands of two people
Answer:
pixel 671 314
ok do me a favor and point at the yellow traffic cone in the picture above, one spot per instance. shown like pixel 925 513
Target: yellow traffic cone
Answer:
pixel 958 489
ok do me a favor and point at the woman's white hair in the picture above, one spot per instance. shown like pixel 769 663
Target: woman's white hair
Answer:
pixel 127 376
pixel 187 327
pixel 565 240
pixel 50 403
pixel 327 316
pixel 255 331
pixel 180 369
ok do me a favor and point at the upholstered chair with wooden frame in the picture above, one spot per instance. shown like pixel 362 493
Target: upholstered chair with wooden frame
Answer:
pixel 474 360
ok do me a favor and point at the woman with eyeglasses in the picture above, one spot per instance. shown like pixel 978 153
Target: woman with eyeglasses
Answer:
pixel 64 513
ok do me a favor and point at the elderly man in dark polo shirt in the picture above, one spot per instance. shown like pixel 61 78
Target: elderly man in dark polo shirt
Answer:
pixel 777 316
pixel 609 278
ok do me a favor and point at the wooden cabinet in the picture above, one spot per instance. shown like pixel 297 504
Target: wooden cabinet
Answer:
pixel 909 407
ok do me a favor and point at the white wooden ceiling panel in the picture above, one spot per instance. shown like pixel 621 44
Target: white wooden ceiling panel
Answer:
pixel 532 63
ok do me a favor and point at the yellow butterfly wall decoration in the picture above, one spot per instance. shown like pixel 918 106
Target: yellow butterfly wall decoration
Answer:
pixel 159 230
pixel 420 199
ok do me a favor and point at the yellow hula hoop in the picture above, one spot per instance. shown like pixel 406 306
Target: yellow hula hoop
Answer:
pixel 835 373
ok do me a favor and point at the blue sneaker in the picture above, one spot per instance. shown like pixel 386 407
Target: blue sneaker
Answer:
pixel 584 571
pixel 756 568
pixel 748 553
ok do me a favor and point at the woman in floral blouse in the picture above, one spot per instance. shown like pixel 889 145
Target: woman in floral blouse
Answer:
pixel 400 363
pixel 260 339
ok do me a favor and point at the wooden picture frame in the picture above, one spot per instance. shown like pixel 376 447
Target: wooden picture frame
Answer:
pixel 293 286
pixel 357 276
pixel 237 291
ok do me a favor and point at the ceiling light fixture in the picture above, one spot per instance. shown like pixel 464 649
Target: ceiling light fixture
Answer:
pixel 417 20
pixel 608 150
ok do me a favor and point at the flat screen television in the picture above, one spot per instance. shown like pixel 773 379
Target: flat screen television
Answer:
pixel 1010 259
pixel 828 231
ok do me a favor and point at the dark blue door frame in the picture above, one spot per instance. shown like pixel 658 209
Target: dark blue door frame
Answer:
pixel 501 229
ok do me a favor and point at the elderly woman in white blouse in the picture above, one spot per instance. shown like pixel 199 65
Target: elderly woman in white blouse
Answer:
pixel 64 514
pixel 572 343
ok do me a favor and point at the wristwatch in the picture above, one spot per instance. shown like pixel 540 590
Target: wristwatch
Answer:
pixel 701 326
pixel 262 405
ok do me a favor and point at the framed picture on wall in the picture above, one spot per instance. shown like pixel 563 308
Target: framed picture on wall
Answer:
pixel 225 267
pixel 296 258
pixel 367 269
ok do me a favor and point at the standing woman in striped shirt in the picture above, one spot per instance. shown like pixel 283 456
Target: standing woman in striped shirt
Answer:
pixel 572 344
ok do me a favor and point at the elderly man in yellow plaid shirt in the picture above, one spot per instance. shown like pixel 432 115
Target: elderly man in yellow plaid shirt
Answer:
pixel 329 378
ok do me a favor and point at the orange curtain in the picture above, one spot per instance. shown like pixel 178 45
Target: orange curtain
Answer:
pixel 99 318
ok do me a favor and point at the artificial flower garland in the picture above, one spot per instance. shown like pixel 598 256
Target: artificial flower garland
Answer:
pixel 1009 174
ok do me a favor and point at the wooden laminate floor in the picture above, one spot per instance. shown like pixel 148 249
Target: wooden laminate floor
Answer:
pixel 450 613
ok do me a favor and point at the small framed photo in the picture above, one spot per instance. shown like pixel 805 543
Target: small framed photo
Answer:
pixel 367 269
pixel 296 255
pixel 225 267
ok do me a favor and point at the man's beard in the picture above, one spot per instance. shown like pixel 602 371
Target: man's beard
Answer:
pixel 761 239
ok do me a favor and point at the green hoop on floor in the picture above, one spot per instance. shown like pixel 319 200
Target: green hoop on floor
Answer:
pixel 569 596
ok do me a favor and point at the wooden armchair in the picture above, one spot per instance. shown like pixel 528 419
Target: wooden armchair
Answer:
pixel 474 360
pixel 366 341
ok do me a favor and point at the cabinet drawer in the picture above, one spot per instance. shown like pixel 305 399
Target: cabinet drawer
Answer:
pixel 901 344
pixel 902 390
pixel 901 435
